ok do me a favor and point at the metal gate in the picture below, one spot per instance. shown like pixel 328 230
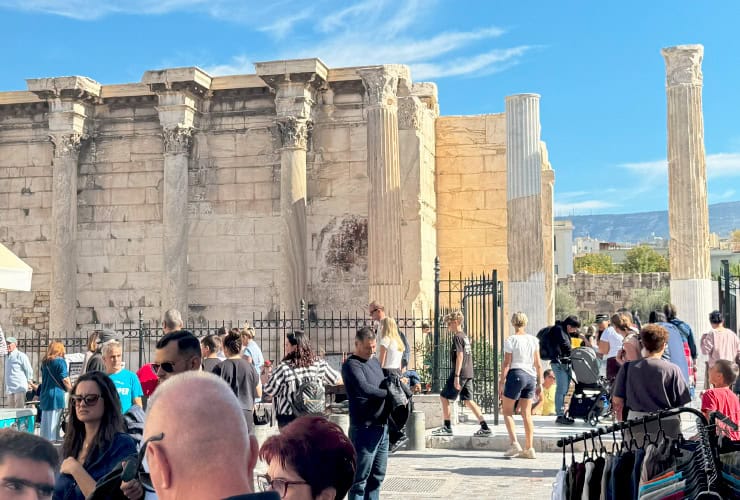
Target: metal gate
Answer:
pixel 728 293
pixel 480 299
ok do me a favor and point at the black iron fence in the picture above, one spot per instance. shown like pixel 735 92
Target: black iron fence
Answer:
pixel 729 287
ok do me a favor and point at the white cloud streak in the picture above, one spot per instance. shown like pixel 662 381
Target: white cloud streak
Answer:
pixel 570 208
pixel 719 165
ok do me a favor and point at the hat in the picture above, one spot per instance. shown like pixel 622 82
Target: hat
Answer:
pixel 106 335
pixel 714 317
pixel 11 340
pixel 601 317
pixel 268 362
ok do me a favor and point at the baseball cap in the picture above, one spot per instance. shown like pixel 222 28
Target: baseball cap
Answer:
pixel 601 317
pixel 11 340
pixel 106 335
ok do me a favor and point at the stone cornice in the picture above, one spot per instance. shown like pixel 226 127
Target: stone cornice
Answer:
pixel 78 88
pixel 294 132
pixel 683 64
pixel 192 80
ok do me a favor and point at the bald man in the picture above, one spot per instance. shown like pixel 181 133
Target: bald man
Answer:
pixel 183 448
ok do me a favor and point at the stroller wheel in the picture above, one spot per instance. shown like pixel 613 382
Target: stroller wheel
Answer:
pixel 592 419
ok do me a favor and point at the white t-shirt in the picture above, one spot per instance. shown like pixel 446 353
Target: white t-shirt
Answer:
pixel 522 349
pixel 615 341
pixel 392 354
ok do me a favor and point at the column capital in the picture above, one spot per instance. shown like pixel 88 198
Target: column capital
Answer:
pixel 683 64
pixel 381 83
pixel 294 132
pixel 66 145
pixel 177 140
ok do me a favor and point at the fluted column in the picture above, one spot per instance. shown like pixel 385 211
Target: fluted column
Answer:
pixel 178 92
pixel 688 213
pixel 70 102
pixel 525 239
pixel 383 168
pixel 548 235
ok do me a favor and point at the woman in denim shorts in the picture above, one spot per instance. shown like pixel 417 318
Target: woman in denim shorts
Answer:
pixel 522 372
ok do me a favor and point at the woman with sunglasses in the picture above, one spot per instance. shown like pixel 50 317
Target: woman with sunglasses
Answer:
pixel 95 442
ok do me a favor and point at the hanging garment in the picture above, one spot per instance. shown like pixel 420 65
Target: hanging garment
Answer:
pixel 587 478
pixel 606 476
pixel 594 485
pixel 558 487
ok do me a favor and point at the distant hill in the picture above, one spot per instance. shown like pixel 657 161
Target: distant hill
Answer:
pixel 643 226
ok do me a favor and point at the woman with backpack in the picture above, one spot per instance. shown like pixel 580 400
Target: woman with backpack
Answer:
pixel 297 383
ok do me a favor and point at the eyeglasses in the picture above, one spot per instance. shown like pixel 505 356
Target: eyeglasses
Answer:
pixel 279 486
pixel 89 399
pixel 145 477
pixel 167 366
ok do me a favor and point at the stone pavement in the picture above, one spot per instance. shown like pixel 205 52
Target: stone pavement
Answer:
pixel 462 474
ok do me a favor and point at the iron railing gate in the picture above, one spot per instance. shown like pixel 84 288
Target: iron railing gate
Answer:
pixel 480 299
pixel 729 286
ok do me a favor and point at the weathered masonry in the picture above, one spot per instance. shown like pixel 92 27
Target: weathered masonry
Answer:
pixel 221 196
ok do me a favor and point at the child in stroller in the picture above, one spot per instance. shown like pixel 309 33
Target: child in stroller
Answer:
pixel 590 400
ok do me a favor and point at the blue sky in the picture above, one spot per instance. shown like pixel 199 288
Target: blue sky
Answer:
pixel 597 66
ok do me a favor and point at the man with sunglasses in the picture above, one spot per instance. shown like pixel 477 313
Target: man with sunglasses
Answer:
pixel 181 450
pixel 28 465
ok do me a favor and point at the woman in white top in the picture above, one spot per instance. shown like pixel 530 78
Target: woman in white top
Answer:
pixel 391 346
pixel 521 379
pixel 611 343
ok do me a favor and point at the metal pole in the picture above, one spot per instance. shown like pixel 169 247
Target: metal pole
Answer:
pixel 141 337
pixel 497 303
pixel 303 314
pixel 728 283
pixel 435 341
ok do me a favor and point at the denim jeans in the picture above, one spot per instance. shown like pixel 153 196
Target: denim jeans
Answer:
pixel 50 424
pixel 371 444
pixel 562 381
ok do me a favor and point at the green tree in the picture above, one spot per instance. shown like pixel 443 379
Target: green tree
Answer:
pixel 643 259
pixel 565 303
pixel 735 236
pixel 645 300
pixel 594 263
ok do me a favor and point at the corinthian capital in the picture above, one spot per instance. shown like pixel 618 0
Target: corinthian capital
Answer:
pixel 381 85
pixel 177 140
pixel 294 132
pixel 683 64
pixel 67 144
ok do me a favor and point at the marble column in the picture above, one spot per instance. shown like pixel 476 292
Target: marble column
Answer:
pixel 178 92
pixel 70 102
pixel 294 274
pixel 383 167
pixel 525 233
pixel 548 235
pixel 688 213
pixel 295 83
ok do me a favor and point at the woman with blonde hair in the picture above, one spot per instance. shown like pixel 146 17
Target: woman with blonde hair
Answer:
pixel 252 352
pixel 521 379
pixel 54 384
pixel 391 346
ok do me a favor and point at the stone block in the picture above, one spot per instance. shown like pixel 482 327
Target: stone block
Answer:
pixel 256 141
pixel 144 179
pixel 453 130
pixel 128 196
pixel 221 145
pixel 109 281
pixel 144 281
pixel 153 263
pixel 430 405
pixel 215 279
pixel 96 264
pixel 247 175
pixel 109 181
pixel 496 163
pixel 496 129
pixel 460 165
pixel 236 192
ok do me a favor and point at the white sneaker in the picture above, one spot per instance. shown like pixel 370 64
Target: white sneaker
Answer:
pixel 514 449
pixel 529 453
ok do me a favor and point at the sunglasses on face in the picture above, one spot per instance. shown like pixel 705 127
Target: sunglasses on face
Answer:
pixel 138 472
pixel 167 366
pixel 89 399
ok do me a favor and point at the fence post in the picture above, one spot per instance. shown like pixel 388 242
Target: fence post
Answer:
pixel 727 296
pixel 141 337
pixel 435 342
pixel 303 314
pixel 498 305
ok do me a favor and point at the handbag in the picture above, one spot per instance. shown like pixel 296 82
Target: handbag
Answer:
pixel 262 414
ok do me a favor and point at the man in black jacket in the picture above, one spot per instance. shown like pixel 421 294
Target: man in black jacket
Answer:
pixel 559 342
pixel 368 420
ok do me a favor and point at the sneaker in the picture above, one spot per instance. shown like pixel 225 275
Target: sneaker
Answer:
pixel 528 453
pixel 514 450
pixel 398 444
pixel 442 431
pixel 563 420
pixel 482 432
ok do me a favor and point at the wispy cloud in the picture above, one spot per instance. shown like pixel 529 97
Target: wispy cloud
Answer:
pixel 356 33
pixel 718 165
pixel 239 65
pixel 579 207
pixel 727 194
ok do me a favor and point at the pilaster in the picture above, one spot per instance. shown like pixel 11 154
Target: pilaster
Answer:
pixel 688 212
pixel 525 228
pixel 383 163
pixel 71 101
pixel 295 84
pixel 178 92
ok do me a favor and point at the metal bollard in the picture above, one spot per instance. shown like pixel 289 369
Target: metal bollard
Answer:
pixel 341 420
pixel 416 429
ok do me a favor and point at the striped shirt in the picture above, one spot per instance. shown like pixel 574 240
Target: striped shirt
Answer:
pixel 285 381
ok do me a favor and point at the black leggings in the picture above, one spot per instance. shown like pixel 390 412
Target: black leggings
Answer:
pixel 283 420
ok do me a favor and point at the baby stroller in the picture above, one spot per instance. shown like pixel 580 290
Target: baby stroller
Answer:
pixel 590 400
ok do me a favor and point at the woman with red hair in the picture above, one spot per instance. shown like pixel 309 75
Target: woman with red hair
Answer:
pixel 310 459
pixel 54 384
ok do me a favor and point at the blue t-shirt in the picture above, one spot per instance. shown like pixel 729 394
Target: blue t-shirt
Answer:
pixel 253 350
pixel 51 394
pixel 128 387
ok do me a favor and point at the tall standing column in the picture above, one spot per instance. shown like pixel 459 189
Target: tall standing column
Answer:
pixel 178 91
pixel 70 102
pixel 295 83
pixel 383 168
pixel 525 236
pixel 688 213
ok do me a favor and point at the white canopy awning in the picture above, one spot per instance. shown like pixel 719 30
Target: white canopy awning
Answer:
pixel 14 273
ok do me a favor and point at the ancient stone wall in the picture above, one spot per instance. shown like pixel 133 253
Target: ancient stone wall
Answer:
pixel 605 293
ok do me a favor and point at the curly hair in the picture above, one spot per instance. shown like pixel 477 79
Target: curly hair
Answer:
pixel 303 356
pixel 111 422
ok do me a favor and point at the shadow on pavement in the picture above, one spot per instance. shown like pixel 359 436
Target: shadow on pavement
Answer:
pixel 497 471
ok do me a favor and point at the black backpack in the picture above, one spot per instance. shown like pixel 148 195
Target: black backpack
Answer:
pixel 309 397
pixel 544 337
